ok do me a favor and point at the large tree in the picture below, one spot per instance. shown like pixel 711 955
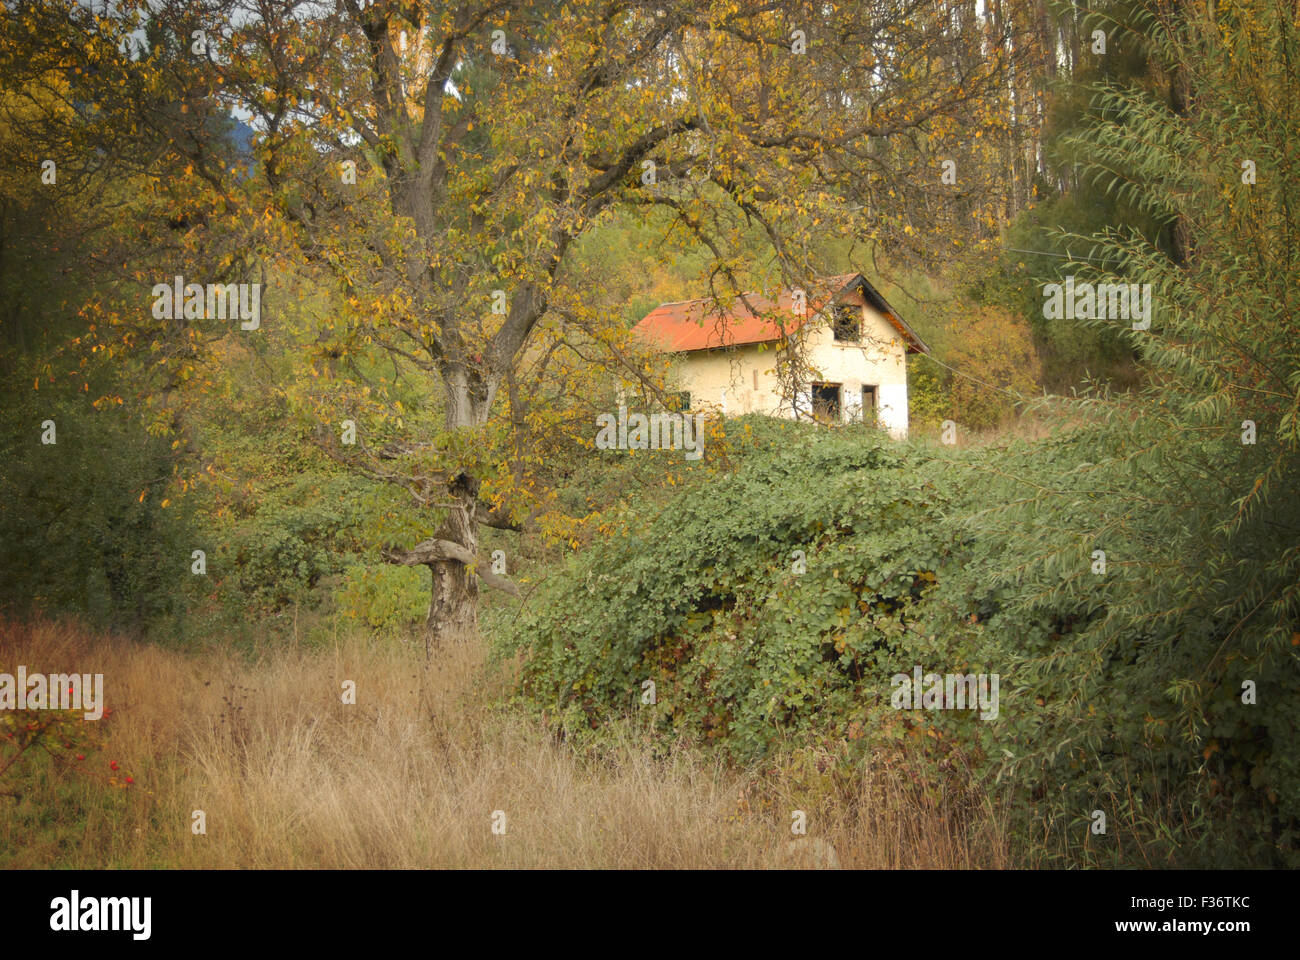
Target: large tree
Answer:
pixel 440 163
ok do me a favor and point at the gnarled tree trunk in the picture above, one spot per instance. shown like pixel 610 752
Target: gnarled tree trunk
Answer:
pixel 453 606
pixel 452 555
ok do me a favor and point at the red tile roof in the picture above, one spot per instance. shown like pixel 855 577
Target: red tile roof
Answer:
pixel 702 325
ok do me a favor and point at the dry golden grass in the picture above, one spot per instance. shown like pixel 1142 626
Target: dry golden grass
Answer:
pixel 290 777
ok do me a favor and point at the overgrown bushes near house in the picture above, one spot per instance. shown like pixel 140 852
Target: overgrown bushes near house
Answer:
pixel 771 607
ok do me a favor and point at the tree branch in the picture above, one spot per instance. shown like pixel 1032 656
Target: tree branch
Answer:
pixel 442 551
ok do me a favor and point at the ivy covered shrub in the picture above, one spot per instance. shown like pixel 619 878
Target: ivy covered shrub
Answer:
pixel 771 605
pixel 773 602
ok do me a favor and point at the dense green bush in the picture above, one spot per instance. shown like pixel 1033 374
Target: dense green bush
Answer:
pixel 751 643
pixel 929 399
pixel 296 537
pixel 384 597
pixel 910 561
pixel 84 528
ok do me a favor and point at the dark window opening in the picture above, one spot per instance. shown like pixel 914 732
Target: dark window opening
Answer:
pixel 868 404
pixel 680 402
pixel 848 323
pixel 826 401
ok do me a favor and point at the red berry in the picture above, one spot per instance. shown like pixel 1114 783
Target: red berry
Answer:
pixel 129 780
pixel 81 756
pixel 112 765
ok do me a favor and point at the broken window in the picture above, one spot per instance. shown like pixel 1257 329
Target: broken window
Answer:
pixel 826 401
pixel 847 326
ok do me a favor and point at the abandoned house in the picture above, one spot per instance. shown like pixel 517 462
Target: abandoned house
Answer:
pixel 850 345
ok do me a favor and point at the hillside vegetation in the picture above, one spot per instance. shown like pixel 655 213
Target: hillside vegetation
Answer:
pixel 391 476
